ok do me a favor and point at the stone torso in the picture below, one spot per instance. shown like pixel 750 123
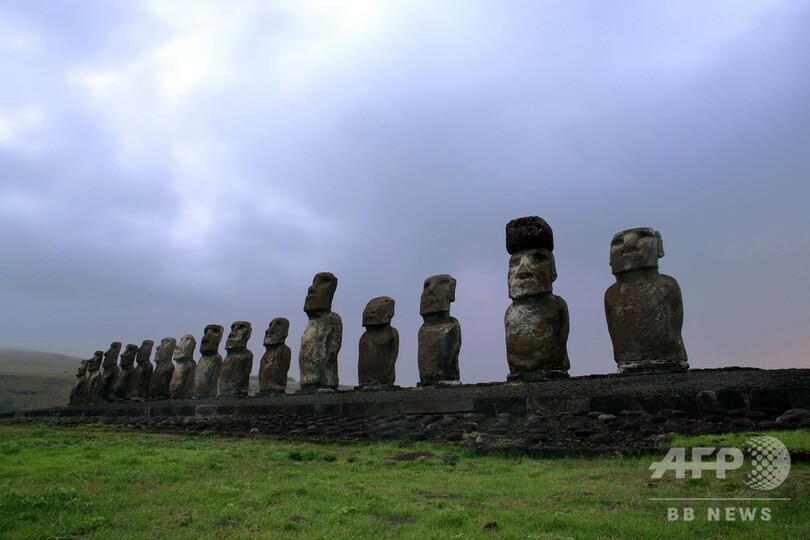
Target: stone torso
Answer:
pixel 207 375
pixel 644 318
pixel 320 346
pixel 182 382
pixel 379 347
pixel 122 382
pixel 536 334
pixel 274 367
pixel 106 380
pixel 160 380
pixel 139 381
pixel 234 379
pixel 439 347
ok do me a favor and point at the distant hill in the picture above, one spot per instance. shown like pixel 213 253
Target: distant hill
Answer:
pixel 35 379
pixel 22 362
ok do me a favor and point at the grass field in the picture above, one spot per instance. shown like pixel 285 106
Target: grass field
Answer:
pixel 99 482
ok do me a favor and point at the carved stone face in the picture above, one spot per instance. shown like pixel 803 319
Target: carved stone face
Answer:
pixel 185 349
pixel 635 249
pixel 94 363
pixel 165 349
pixel 211 339
pixel 277 331
pixel 239 336
pixel 128 356
pixel 145 351
pixel 111 356
pixel 531 272
pixel 82 369
pixel 437 294
pixel 320 293
pixel 378 311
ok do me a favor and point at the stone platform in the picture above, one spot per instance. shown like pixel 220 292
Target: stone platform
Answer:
pixel 578 416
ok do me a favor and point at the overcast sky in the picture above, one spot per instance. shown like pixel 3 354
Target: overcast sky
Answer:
pixel 165 165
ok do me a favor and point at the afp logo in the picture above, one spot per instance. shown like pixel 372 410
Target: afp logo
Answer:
pixel 766 460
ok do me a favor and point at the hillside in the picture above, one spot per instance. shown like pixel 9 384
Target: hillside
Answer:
pixel 35 379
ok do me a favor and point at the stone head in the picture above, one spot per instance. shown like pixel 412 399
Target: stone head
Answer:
pixel 95 362
pixel 145 351
pixel 320 293
pixel 239 336
pixel 277 331
pixel 128 356
pixel 378 311
pixel 82 369
pixel 531 272
pixel 437 294
pixel 212 337
pixel 528 233
pixel 185 348
pixel 165 350
pixel 111 356
pixel 635 249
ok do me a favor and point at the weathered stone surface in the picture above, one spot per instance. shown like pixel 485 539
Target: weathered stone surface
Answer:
pixel 90 393
pixel 644 309
pixel 552 406
pixel 164 368
pixel 126 367
pixel 379 345
pixel 109 370
pixel 77 393
pixel 234 379
pixel 536 322
pixel 275 363
pixel 322 338
pixel 440 334
pixel 436 406
pixel 182 382
pixel 139 382
pixel 206 376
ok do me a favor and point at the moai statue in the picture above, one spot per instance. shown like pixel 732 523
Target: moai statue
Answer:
pixel 537 321
pixel 182 383
pixel 77 392
pixel 139 382
pixel 644 309
pixel 90 393
pixel 322 338
pixel 379 346
pixel 126 367
pixel 164 368
pixel 234 379
pixel 210 363
pixel 439 335
pixel 109 371
pixel 276 359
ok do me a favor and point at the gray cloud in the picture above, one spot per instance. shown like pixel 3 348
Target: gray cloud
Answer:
pixel 182 164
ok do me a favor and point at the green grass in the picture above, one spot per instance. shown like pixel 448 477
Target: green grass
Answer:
pixel 98 482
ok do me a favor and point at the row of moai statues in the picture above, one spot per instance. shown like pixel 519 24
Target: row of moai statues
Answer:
pixel 643 308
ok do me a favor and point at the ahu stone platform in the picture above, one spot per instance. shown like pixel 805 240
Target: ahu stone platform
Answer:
pixel 591 413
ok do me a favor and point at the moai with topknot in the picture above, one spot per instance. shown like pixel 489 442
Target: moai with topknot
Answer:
pixel 537 320
pixel 182 383
pixel 234 379
pixel 440 334
pixel 210 364
pixel 126 367
pixel 644 309
pixel 322 338
pixel 109 371
pixel 379 346
pixel 164 368
pixel 276 359
pixel 77 392
pixel 139 382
